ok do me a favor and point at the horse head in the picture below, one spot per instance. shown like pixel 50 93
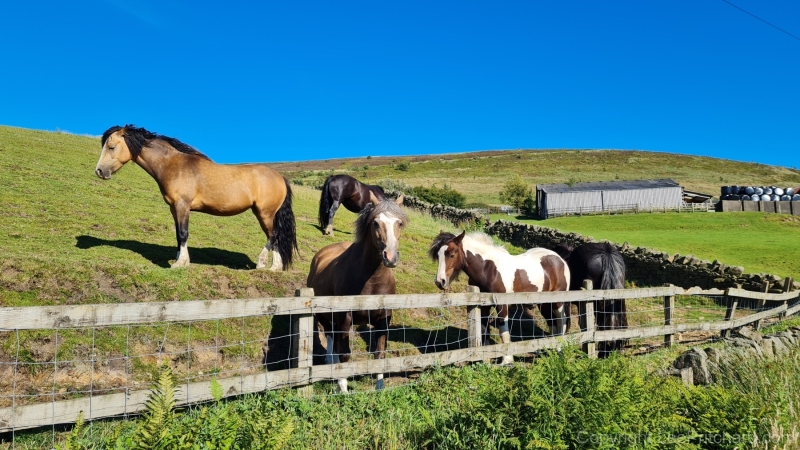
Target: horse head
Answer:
pixel 449 252
pixel 115 152
pixel 386 222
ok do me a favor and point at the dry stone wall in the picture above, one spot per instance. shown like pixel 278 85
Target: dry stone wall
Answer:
pixel 645 266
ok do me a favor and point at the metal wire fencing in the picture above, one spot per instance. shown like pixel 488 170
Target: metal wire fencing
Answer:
pixel 101 359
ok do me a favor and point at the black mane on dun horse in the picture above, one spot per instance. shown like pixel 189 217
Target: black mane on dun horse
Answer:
pixel 190 181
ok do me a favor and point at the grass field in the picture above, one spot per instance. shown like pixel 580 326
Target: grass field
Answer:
pixel 67 237
pixel 480 176
pixel 760 242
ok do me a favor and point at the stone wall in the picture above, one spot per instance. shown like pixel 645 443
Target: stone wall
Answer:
pixel 644 266
pixel 698 366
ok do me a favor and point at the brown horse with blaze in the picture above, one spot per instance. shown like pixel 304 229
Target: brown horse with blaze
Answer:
pixel 190 181
pixel 363 267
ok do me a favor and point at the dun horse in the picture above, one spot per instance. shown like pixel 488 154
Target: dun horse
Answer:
pixel 344 190
pixel 190 181
pixel 492 269
pixel 603 264
pixel 363 267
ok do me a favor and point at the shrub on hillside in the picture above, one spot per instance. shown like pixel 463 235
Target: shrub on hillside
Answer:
pixel 444 196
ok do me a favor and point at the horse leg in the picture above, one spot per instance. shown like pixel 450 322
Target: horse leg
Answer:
pixel 180 212
pixel 267 223
pixel 331 213
pixel 505 335
pixel 485 311
pixel 341 343
pixel 382 334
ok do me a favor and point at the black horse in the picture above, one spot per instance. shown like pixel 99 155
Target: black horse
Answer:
pixel 603 264
pixel 344 190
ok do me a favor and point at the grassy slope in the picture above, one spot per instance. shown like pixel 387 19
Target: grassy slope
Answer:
pixel 760 242
pixel 68 237
pixel 480 176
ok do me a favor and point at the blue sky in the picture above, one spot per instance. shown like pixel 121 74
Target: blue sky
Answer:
pixel 288 81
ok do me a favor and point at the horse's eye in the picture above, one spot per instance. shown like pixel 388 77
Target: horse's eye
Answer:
pixel 452 255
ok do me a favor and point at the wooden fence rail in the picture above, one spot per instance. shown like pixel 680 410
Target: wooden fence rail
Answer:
pixel 304 305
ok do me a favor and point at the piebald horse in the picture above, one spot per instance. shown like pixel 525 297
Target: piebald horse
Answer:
pixel 604 265
pixel 346 191
pixel 492 269
pixel 190 181
pixel 363 267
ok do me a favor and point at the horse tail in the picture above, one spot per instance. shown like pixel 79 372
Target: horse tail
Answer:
pixel 284 229
pixel 324 204
pixel 616 314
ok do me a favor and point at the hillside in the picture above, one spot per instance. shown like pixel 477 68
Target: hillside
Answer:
pixel 68 237
pixel 480 175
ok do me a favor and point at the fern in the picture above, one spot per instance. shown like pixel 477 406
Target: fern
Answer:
pixel 74 435
pixel 154 431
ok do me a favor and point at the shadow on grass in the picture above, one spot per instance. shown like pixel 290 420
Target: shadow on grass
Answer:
pixel 160 255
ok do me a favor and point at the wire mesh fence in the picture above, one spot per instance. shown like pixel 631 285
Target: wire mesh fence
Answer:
pixel 101 359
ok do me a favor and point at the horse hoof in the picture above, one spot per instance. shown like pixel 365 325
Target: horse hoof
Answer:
pixel 179 264
pixel 260 265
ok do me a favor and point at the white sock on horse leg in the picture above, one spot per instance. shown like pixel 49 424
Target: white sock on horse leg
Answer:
pixel 343 385
pixel 505 335
pixel 379 382
pixel 277 262
pixel 263 257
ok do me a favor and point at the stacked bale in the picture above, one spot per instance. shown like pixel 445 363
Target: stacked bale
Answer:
pixel 759 193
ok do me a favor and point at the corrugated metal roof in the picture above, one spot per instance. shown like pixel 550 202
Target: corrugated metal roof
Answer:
pixel 607 186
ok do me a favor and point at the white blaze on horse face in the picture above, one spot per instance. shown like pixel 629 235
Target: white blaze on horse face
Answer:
pixel 391 227
pixel 441 273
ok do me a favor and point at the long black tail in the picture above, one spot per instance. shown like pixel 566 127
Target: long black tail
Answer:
pixel 284 229
pixel 614 314
pixel 325 204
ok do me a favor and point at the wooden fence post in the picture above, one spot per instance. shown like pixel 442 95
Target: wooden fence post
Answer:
pixel 302 334
pixel 733 302
pixel 761 304
pixel 669 314
pixel 475 337
pixel 586 320
pixel 788 282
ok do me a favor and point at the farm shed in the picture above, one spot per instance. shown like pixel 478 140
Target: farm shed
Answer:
pixel 607 196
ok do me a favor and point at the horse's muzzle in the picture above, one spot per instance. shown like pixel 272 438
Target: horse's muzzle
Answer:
pixel 441 284
pixel 104 175
pixel 391 261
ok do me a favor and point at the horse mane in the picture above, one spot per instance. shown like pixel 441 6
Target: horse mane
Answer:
pixel 442 239
pixel 564 250
pixel 368 214
pixel 136 138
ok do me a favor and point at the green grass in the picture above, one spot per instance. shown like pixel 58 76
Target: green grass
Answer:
pixel 480 175
pixel 560 401
pixel 760 242
pixel 67 237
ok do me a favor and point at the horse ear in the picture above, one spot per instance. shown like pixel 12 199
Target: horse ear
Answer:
pixel 399 200
pixel 373 198
pixel 460 237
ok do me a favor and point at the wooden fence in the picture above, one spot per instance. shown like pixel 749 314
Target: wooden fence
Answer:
pixel 304 305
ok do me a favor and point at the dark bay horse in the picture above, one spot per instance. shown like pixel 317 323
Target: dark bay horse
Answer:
pixel 604 265
pixel 347 191
pixel 493 269
pixel 363 267
pixel 190 181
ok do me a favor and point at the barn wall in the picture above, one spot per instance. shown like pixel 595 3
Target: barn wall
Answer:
pixel 671 197
pixel 559 203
